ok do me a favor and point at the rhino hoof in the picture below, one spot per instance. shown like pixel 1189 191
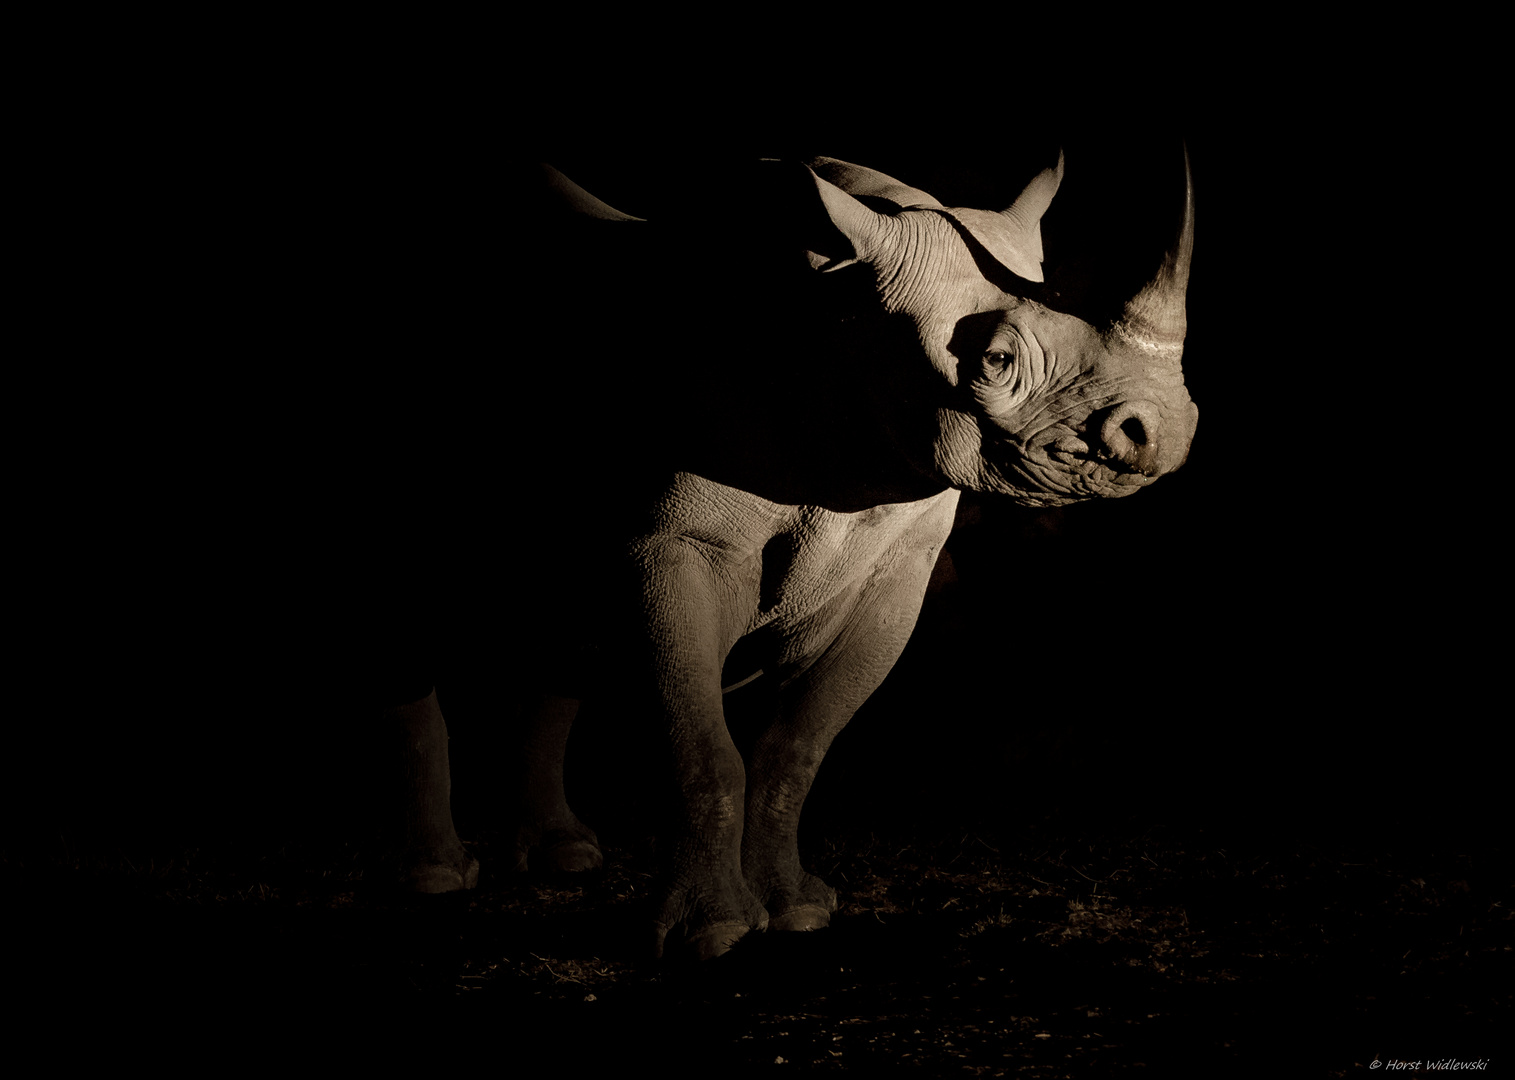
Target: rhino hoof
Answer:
pixel 802 917
pixel 572 851
pixel 433 878
pixel 571 856
pixel 707 944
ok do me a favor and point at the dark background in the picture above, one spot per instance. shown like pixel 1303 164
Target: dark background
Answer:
pixel 268 258
pixel 299 270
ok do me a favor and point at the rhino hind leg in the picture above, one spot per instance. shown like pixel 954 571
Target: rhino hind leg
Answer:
pixel 430 857
pixel 548 835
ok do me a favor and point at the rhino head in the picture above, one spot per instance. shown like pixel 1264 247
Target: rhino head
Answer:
pixel 1016 399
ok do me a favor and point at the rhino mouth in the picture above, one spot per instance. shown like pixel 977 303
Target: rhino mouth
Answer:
pixel 1065 469
pixel 1071 452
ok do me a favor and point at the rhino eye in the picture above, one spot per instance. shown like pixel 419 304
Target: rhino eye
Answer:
pixel 999 365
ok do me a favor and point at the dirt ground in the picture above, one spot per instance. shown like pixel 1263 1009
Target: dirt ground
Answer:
pixel 1061 950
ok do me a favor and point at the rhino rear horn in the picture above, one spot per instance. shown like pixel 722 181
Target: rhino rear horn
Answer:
pixel 1155 316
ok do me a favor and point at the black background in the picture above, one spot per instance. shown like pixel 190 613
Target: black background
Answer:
pixel 267 276
pixel 269 258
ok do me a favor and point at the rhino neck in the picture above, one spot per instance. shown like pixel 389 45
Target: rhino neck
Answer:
pixel 808 449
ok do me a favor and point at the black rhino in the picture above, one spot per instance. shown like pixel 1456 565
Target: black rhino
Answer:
pixel 872 354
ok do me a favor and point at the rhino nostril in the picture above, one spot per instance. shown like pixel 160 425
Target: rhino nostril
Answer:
pixel 1134 429
pixel 1130 435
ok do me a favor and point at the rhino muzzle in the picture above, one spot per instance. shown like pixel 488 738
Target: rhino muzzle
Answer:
pixel 1134 438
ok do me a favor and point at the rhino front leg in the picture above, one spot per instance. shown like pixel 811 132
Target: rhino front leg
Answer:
pixel 704 904
pixel 784 765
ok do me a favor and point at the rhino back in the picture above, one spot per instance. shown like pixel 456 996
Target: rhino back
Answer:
pixel 634 350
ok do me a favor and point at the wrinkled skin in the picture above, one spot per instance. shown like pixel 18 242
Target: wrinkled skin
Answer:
pixel 795 529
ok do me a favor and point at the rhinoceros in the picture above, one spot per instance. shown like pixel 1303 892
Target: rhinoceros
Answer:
pixel 802 423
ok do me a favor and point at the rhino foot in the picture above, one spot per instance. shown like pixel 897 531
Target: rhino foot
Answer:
pixel 701 923
pixel 431 877
pixel 570 847
pixel 707 943
pixel 803 917
pixel 805 906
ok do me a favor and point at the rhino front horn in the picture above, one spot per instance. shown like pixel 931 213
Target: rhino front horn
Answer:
pixel 1155 316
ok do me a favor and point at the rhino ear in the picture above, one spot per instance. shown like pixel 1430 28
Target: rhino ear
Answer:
pixel 1014 236
pixel 846 231
pixel 872 186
